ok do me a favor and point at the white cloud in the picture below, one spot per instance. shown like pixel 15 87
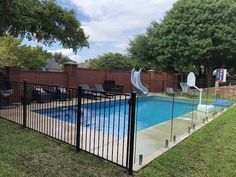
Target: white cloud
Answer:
pixel 110 24
pixel 117 21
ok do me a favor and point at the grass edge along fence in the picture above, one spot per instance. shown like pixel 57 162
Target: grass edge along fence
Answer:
pixel 98 122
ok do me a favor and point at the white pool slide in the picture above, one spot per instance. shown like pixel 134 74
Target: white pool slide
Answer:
pixel 137 84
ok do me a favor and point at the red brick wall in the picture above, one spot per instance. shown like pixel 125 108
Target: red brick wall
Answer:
pixel 170 80
pixel 48 78
pixel 90 77
pixel 73 76
pixel 121 78
pixel 156 82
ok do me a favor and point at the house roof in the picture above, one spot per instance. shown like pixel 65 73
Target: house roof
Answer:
pixel 52 64
pixel 84 64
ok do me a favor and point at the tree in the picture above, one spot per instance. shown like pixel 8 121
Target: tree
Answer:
pixel 199 33
pixel 114 61
pixel 9 51
pixel 61 59
pixel 140 50
pixel 195 35
pixel 33 58
pixel 41 20
pixel 12 53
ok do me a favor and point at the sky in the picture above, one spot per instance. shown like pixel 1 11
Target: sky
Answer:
pixel 110 24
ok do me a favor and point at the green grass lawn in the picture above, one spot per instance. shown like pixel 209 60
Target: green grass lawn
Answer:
pixel 24 152
pixel 211 151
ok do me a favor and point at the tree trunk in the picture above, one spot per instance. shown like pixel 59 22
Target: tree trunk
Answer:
pixel 209 77
pixel 5 13
pixel 209 72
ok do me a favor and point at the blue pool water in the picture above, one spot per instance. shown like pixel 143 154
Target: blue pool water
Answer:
pixel 155 110
pixel 150 111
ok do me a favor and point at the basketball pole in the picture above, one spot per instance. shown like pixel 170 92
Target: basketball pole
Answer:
pixel 200 97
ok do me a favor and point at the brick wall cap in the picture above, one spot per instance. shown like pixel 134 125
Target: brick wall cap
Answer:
pixel 70 64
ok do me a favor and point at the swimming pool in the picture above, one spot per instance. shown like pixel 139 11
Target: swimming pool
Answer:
pixel 113 116
pixel 155 110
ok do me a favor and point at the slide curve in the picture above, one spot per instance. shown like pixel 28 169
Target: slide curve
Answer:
pixel 136 82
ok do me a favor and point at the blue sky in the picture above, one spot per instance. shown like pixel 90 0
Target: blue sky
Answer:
pixel 110 24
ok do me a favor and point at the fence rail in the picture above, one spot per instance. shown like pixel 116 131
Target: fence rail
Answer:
pixel 98 122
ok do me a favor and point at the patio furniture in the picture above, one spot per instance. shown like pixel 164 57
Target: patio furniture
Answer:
pixel 110 85
pixel 63 93
pixel 93 93
pixel 5 92
pixel 40 95
pixel 99 88
pixel 170 91
pixel 60 93
pixel 88 92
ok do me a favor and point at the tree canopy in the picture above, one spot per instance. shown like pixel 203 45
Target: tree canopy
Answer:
pixel 12 53
pixel 43 21
pixel 194 36
pixel 114 61
pixel 140 50
pixel 9 51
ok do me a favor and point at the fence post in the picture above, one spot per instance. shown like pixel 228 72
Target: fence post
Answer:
pixel 132 132
pixel 172 117
pixel 79 96
pixel 24 103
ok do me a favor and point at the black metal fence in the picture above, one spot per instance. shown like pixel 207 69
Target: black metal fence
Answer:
pixel 98 122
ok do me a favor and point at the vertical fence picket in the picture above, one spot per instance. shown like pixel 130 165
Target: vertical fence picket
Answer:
pixel 132 132
pixel 172 117
pixel 24 103
pixel 79 92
